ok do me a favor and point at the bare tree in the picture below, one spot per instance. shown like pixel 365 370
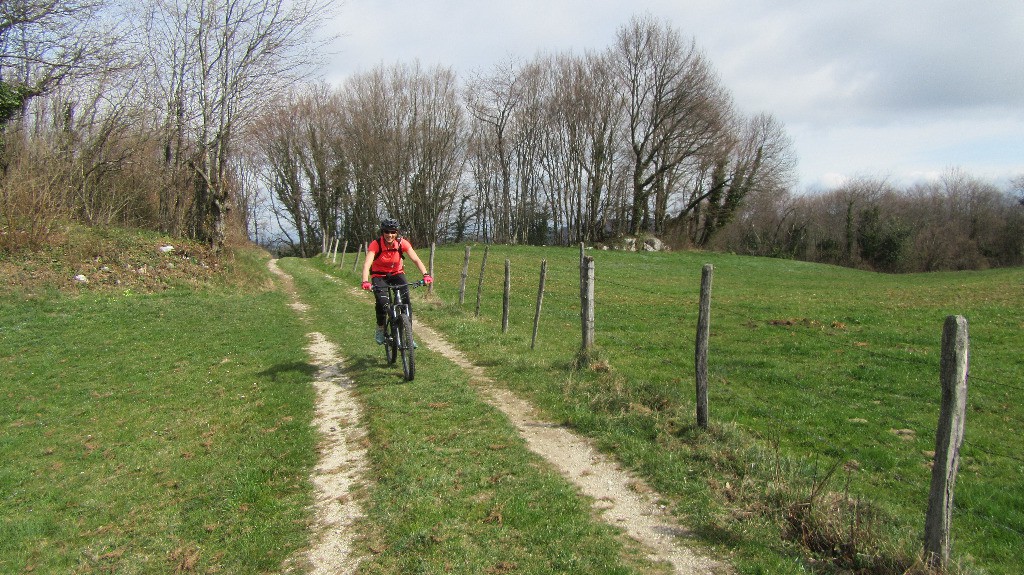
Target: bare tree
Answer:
pixel 67 128
pixel 406 140
pixel 579 146
pixel 1017 187
pixel 278 139
pixel 758 156
pixel 484 171
pixel 219 63
pixel 530 126
pixel 45 42
pixel 492 100
pixel 101 135
pixel 436 153
pixel 675 108
pixel 961 222
pixel 322 158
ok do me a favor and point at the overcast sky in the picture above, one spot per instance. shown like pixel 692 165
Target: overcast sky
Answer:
pixel 901 89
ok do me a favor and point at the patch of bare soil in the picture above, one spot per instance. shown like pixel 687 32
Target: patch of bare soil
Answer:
pixel 620 498
pixel 343 460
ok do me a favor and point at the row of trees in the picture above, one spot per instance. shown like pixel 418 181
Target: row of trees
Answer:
pixel 639 138
pixel 956 222
pixel 196 117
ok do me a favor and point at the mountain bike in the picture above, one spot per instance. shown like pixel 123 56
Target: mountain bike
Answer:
pixel 398 328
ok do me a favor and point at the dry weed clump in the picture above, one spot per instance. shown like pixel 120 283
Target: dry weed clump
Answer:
pixel 841 530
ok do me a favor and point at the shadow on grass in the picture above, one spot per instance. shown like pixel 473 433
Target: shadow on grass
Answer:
pixel 372 371
pixel 276 372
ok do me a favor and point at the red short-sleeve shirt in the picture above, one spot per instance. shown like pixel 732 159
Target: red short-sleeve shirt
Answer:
pixel 389 261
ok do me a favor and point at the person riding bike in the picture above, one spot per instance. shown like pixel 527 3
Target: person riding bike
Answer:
pixel 384 266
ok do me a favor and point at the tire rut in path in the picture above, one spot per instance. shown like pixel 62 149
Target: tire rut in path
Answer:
pixel 620 498
pixel 342 462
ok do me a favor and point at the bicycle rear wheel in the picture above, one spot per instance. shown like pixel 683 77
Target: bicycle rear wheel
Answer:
pixel 391 342
pixel 405 346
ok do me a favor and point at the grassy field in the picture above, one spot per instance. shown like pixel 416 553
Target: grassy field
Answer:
pixel 153 433
pixel 167 429
pixel 820 375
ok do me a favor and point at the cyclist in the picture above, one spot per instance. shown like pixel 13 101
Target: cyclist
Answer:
pixel 383 266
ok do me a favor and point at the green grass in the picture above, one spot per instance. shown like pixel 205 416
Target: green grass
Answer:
pixel 153 433
pixel 811 367
pixel 152 427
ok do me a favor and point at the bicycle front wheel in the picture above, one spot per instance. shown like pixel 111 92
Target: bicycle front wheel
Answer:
pixel 406 347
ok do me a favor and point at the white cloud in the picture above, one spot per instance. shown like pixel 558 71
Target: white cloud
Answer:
pixel 868 87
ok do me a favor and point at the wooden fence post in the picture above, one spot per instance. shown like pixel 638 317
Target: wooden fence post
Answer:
pixel 505 298
pixel 701 349
pixel 344 251
pixel 540 300
pixel 465 274
pixel 430 268
pixel 355 265
pixel 948 438
pixel 587 306
pixel 480 284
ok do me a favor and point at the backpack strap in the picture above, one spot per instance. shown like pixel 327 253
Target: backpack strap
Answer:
pixel 380 247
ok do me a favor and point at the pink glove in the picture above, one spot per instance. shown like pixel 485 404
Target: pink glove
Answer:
pixel 366 285
pixel 427 279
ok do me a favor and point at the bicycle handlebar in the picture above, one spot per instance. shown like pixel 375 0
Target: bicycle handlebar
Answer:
pixel 415 284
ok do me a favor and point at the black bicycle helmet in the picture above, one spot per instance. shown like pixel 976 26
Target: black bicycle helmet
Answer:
pixel 388 225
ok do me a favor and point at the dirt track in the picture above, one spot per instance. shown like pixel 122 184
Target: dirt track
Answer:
pixel 342 458
pixel 619 498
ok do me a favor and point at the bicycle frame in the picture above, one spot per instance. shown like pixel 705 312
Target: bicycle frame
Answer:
pixel 398 328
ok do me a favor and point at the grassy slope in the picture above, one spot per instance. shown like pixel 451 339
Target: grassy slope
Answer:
pixel 153 433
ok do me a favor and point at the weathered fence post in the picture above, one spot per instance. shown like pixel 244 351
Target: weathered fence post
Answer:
pixel 701 349
pixel 465 274
pixel 540 300
pixel 430 268
pixel 480 284
pixel 587 305
pixel 334 247
pixel 359 252
pixel 948 437
pixel 344 251
pixel 505 298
